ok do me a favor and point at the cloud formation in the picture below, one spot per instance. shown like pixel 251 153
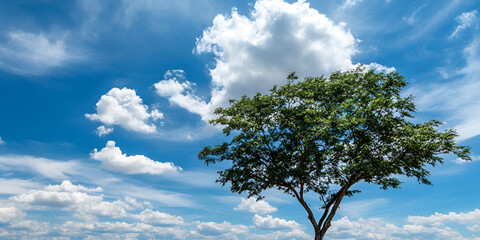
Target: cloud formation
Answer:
pixel 113 159
pixel 465 20
pixel 254 206
pixel 254 53
pixel 76 198
pixel 374 228
pixel 458 98
pixel 270 222
pixel 43 166
pixel 33 54
pixel 124 108
pixel 157 218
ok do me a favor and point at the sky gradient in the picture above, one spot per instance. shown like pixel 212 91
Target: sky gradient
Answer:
pixel 105 105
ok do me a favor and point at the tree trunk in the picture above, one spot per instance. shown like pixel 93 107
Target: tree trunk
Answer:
pixel 318 234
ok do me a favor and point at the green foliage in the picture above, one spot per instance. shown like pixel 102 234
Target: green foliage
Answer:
pixel 320 133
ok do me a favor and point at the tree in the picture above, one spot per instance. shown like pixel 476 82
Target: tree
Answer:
pixel 325 135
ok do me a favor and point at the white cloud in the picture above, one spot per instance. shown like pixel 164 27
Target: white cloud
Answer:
pixel 457 100
pixel 120 230
pixel 1 141
pixel 461 161
pixel 216 229
pixel 270 222
pixel 102 130
pixel 45 167
pixel 157 218
pixel 254 53
pixel 411 20
pixel 74 197
pixel 295 234
pixel 350 3
pixel 439 219
pixel 380 68
pixel 124 108
pixel 180 93
pixel 16 186
pixel 465 20
pixel 10 214
pixel 374 228
pixel 112 158
pixel 254 206
pixel 33 54
pixel 67 186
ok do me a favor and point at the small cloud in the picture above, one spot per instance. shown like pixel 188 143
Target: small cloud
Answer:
pixel 2 141
pixel 270 222
pixel 465 20
pixel 113 159
pixel 254 206
pixel 411 20
pixel 179 92
pixel 349 4
pixel 102 130
pixel 217 229
pixel 157 218
pixel 380 68
pixel 34 54
pixel 124 108
pixel 461 161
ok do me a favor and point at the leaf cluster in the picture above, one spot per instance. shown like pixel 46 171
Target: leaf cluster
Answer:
pixel 322 133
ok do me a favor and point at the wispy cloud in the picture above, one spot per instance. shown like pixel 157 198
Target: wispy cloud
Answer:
pixel 411 19
pixel 349 4
pixel 465 20
pixel 457 97
pixel 34 53
pixel 43 166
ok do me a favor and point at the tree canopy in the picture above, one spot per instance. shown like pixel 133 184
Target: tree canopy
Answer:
pixel 324 135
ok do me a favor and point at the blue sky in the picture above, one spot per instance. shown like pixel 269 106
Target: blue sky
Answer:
pixel 104 107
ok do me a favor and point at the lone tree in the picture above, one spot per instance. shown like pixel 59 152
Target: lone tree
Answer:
pixel 324 136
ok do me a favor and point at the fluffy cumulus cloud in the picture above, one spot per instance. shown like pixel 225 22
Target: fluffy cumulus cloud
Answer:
pixel 75 198
pixel 113 159
pixel 32 54
pixel 157 218
pixel 218 229
pixel 439 219
pixel 102 130
pixel 380 68
pixel 119 230
pixel 180 92
pixel 270 222
pixel 253 53
pixel 254 206
pixel 10 214
pixel 124 108
pixel 465 20
pixel 420 228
